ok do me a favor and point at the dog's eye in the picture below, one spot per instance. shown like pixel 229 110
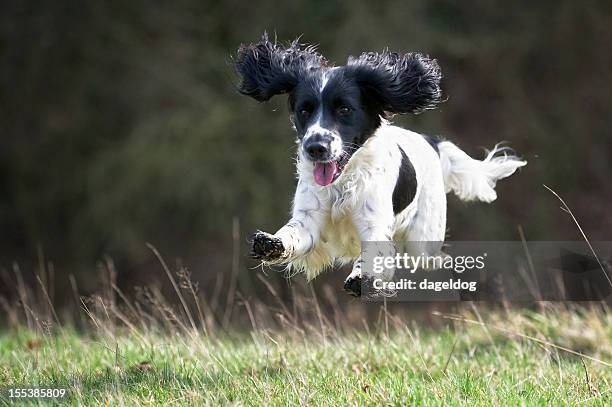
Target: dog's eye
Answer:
pixel 343 110
pixel 305 113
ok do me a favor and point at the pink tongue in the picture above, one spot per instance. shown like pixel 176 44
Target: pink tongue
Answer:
pixel 324 173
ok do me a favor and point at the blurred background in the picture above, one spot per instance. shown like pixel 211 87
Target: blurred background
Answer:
pixel 120 125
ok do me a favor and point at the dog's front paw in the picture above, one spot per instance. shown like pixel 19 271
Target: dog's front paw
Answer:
pixel 267 247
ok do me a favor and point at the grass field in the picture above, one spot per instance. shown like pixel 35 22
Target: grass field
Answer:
pixel 507 358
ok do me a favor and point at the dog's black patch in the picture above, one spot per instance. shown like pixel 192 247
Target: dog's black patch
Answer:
pixel 433 141
pixel 405 186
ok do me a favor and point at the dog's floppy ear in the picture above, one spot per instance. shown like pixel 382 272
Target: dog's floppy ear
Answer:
pixel 396 83
pixel 267 68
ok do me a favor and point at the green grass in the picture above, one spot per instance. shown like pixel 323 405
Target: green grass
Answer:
pixel 462 364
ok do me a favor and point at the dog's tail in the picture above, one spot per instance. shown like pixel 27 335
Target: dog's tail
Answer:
pixel 472 179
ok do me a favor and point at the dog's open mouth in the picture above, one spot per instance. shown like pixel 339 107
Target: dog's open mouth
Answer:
pixel 327 172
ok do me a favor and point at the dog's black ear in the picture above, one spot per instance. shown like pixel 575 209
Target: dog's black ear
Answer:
pixel 396 83
pixel 267 68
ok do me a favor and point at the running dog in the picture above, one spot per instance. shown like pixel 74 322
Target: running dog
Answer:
pixel 361 179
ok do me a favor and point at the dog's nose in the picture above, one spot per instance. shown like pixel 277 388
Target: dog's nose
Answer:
pixel 317 150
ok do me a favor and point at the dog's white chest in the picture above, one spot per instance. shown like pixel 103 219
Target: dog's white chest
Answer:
pixel 340 238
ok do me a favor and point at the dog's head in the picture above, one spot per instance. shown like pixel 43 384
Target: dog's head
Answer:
pixel 336 109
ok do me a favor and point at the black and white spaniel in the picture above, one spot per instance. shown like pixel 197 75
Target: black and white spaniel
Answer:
pixel 361 178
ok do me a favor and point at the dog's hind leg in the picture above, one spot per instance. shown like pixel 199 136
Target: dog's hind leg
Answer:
pixel 424 233
pixel 352 284
pixel 374 223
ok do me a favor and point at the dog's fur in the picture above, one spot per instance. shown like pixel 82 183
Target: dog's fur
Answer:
pixel 360 178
